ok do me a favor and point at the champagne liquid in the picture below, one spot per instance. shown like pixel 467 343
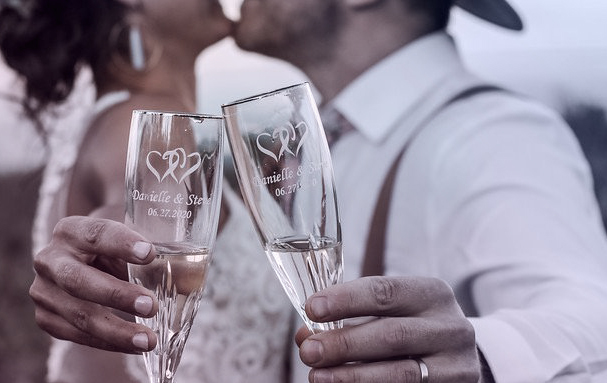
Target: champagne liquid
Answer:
pixel 304 268
pixel 177 276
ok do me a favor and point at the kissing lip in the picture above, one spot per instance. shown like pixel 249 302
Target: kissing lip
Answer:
pixel 247 5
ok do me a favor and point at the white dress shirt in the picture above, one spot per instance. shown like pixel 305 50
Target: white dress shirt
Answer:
pixel 494 196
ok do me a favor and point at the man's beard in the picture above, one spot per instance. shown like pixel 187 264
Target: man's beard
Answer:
pixel 290 39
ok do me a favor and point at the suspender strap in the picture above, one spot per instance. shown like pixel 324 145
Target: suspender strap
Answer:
pixel 373 262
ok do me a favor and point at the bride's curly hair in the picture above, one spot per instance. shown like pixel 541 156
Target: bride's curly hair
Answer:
pixel 49 42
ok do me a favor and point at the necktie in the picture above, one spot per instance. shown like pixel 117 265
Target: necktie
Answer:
pixel 334 123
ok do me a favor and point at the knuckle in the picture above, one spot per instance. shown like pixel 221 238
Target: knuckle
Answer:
pixel 34 293
pixel 94 232
pixel 62 228
pixel 461 334
pixel 444 292
pixel 40 263
pixel 396 335
pixel 340 342
pixel 42 320
pixel 345 343
pixel 385 291
pixel 40 255
pixel 116 297
pixel 468 333
pixel 48 322
pixel 70 277
pixel 82 320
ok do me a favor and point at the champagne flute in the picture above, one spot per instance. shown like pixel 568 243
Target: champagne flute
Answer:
pixel 173 193
pixel 284 171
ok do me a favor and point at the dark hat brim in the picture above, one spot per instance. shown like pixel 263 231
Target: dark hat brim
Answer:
pixel 498 12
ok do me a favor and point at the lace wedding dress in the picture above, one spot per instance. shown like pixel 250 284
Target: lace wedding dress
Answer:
pixel 242 330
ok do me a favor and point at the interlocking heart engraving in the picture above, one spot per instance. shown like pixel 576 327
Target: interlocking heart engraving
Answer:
pixel 175 161
pixel 287 136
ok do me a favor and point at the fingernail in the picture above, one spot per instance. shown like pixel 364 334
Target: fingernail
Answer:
pixel 142 249
pixel 320 307
pixel 143 305
pixel 141 341
pixel 311 351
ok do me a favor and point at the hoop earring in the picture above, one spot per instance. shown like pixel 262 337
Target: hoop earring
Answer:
pixel 136 49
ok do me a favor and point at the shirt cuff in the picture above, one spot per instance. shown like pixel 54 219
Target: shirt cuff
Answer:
pixel 507 353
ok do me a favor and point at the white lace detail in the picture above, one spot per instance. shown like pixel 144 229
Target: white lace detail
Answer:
pixel 64 143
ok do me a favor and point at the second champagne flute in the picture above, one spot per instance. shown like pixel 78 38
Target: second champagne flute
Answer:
pixel 285 174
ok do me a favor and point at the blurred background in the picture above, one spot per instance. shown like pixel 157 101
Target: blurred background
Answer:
pixel 560 59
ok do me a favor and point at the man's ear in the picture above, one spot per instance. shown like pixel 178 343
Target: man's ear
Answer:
pixel 361 3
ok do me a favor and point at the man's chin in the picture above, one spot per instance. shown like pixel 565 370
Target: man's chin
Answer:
pixel 243 35
pixel 245 42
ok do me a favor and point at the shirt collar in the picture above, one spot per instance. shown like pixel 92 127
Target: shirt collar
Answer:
pixel 382 95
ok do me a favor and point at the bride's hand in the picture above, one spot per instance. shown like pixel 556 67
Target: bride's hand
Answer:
pixel 79 282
